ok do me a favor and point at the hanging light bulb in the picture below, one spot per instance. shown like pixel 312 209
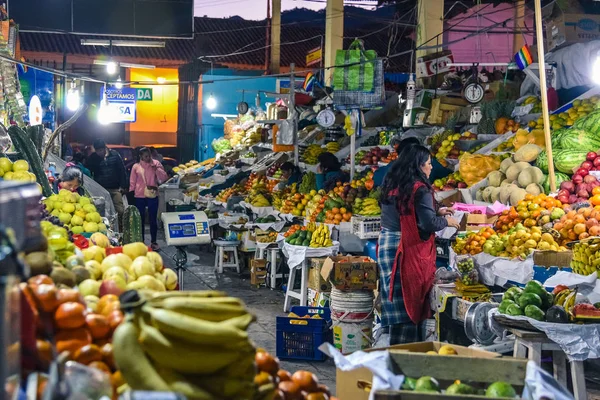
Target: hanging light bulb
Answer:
pixel 161 80
pixel 211 103
pixel 73 97
pixel 119 83
pixel 111 67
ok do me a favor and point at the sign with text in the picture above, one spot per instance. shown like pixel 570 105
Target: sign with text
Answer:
pixel 314 56
pixel 439 65
pixel 144 94
pixel 121 103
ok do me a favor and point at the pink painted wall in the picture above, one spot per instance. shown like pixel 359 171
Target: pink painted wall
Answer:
pixel 493 46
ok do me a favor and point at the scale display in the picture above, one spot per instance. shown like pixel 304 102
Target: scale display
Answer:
pixel 187 229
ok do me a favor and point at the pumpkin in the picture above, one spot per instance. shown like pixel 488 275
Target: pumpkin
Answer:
pixel 88 354
pixel 114 319
pixel 100 366
pixel 47 296
pixel 98 325
pixel 66 295
pixel 70 315
pixel 107 355
pixel 72 340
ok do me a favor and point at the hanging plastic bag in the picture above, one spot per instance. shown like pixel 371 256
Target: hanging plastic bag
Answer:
pixel 475 167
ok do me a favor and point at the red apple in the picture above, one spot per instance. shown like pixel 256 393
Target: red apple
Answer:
pixel 591 156
pixel 462 185
pixel 563 192
pixel 583 194
pixel 587 165
pixel 563 199
pixel 583 172
pixel 597 162
pixel 572 199
pixel 577 179
pixel 590 179
pixel 115 285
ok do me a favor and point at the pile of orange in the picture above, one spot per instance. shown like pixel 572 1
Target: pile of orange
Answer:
pixel 293 229
pixel 473 244
pixel 531 211
pixel 391 157
pixel 337 215
pixel 579 224
pixel 271 183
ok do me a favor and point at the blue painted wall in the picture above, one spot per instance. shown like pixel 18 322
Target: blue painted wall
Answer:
pixel 227 96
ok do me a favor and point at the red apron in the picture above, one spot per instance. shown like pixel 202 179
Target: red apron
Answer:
pixel 417 258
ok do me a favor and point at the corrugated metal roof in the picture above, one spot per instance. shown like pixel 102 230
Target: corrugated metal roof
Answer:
pixel 239 41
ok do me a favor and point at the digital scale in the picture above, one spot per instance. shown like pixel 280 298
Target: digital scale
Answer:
pixel 185 228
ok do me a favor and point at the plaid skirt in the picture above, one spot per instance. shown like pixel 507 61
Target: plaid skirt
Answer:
pixel 392 312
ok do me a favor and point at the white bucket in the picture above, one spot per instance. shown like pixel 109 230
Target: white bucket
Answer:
pixel 352 316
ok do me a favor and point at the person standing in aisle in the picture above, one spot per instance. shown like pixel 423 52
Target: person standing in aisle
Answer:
pixel 145 177
pixel 329 172
pixel 408 282
pixel 109 171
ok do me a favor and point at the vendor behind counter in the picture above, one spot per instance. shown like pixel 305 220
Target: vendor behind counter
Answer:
pixel 216 189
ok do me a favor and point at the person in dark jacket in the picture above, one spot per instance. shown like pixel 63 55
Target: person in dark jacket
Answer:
pixel 109 171
pixel 329 172
pixel 79 161
pixel 412 168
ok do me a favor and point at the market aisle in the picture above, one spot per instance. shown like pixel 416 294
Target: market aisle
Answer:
pixel 264 303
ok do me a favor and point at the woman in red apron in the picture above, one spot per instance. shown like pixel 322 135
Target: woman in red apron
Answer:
pixel 414 266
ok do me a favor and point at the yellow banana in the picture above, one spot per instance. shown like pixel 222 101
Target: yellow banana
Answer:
pixel 561 296
pixel 209 309
pixel 194 330
pixel 242 368
pixel 242 322
pixel 181 356
pixel 190 294
pixel 226 387
pixel 135 367
pixel 570 301
pixel 179 383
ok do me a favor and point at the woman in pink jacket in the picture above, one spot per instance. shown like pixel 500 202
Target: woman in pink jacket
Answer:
pixel 145 177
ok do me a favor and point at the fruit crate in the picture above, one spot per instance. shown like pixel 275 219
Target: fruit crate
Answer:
pixel 300 338
pixel 366 227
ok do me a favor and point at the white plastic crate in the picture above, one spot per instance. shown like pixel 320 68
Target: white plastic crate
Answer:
pixel 366 227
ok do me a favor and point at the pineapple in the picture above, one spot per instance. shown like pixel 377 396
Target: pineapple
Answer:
pixel 489 114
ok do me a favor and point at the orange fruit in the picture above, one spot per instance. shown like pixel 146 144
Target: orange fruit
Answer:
pixel 335 210
pixel 343 210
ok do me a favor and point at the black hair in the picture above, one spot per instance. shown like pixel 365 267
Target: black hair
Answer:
pixel 288 166
pixel 142 150
pixel 99 144
pixel 329 162
pixel 407 143
pixel 79 157
pixel 70 173
pixel 402 176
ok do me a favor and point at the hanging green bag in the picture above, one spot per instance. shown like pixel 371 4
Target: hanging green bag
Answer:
pixel 355 68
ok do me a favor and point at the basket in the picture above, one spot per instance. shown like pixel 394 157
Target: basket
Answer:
pixel 515 323
pixel 366 227
pixel 300 338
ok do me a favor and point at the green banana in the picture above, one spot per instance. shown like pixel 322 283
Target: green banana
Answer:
pixel 181 384
pixel 131 360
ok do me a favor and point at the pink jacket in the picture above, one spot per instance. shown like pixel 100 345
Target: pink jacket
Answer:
pixel 155 174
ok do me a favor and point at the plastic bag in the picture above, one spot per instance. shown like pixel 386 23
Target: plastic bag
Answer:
pixel 221 145
pixel 475 167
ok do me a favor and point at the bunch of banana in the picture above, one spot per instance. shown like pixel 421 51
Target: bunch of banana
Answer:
pixel 586 257
pixel 311 154
pixel 367 207
pixel 566 298
pixel 333 147
pixel 321 236
pixel 194 343
pixel 258 200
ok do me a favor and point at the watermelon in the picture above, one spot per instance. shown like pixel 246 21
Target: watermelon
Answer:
pixel 578 139
pixel 542 161
pixel 566 161
pixel 560 178
pixel 590 122
pixel 556 138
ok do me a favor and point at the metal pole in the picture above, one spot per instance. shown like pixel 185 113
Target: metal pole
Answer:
pixel 353 147
pixel 544 92
pixel 292 109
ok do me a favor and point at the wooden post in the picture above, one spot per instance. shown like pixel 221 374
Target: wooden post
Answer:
pixel 276 37
pixel 519 26
pixel 334 35
pixel 430 14
pixel 544 92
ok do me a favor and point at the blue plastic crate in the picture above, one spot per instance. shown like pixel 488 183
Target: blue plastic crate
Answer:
pixel 541 274
pixel 300 338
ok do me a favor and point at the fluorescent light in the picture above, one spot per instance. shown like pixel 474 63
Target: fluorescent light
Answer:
pixel 122 43
pixel 111 67
pixel 119 83
pixel 161 80
pixel 125 65
pixel 211 103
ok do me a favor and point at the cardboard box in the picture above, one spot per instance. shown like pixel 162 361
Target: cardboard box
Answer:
pixel 248 239
pixel 258 272
pixel 315 280
pixel 550 258
pixel 350 273
pixel 554 26
pixel 317 298
pixel 347 382
pixel 581 28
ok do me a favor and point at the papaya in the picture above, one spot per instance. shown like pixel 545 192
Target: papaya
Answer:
pixel 514 310
pixel 534 312
pixel 504 305
pixel 527 299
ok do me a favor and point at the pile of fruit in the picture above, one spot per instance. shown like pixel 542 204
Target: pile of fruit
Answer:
pixel 537 105
pixel 257 199
pixel 227 193
pixel 370 157
pixel 17 171
pixel 563 305
pixel 505 125
pixel 75 211
pixel 313 235
pixel 473 243
pixel 308 183
pixel 450 182
pixel 586 256
pixel 540 210
pixel 446 148
pixel 579 224
pixel 188 167
pixel 311 154
pixel 194 343
pixel 580 109
pixel 474 168
pixel 302 385
pixel 332 147
pixel 271 237
pixel 368 207
pixel 521 241
pixel 274 170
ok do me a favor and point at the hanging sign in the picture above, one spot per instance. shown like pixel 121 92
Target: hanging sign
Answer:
pixel 122 104
pixel 144 94
pixel 35 111
pixel 434 66
pixel 314 56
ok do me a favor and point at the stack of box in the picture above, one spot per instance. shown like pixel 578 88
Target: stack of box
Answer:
pixel 319 289
pixel 258 272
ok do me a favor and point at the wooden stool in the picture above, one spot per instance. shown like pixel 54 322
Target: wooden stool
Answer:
pixel 533 343
pixel 223 247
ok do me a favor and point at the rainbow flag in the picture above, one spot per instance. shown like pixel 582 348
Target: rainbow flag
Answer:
pixel 523 57
pixel 309 81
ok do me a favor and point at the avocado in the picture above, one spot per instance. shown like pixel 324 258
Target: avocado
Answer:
pixel 63 276
pixel 534 312
pixel 460 388
pixel 504 304
pixel 306 243
pixel 557 314
pixel 510 293
pixel 547 300
pixel 514 310
pixel 500 389
pixel 535 287
pixel 426 384
pixel 529 298
pixel 409 383
pixel 39 263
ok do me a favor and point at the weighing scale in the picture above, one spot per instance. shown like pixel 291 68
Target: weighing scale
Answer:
pixel 185 228
pixel 478 330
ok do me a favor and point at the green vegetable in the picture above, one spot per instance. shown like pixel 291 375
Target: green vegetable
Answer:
pixel 534 312
pixel 514 310
pixel 504 305
pixel 26 148
pixel 529 299
pixel 132 225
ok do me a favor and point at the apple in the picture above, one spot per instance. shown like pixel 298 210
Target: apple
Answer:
pixel 563 199
pixel 590 179
pixel 572 199
pixel 115 285
pixel 568 186
pixel 577 179
pixel 583 194
pixel 591 156
pixel 583 171
pixel 587 165
pixel 597 162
